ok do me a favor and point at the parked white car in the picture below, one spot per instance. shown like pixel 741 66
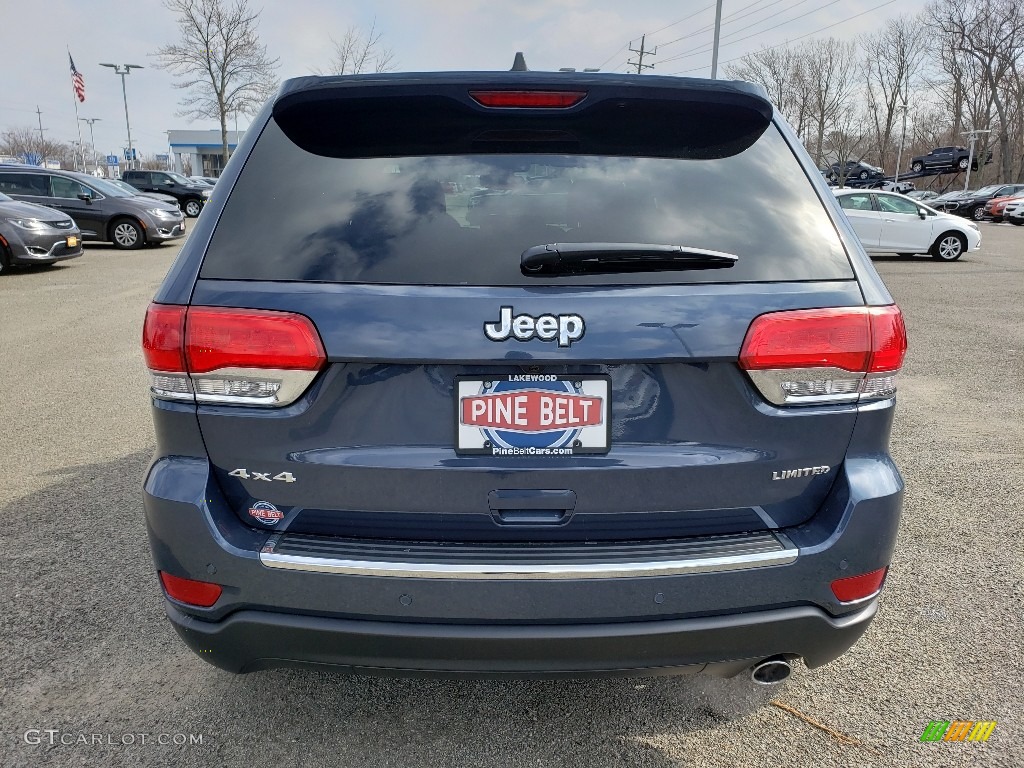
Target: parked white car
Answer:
pixel 1014 212
pixel 887 222
pixel 897 186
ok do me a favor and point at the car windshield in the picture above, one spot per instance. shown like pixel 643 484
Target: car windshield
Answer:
pixel 123 185
pixel 989 189
pixel 104 186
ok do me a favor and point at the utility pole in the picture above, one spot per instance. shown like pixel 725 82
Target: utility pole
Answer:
pixel 640 52
pixel 973 134
pixel 42 141
pixel 718 35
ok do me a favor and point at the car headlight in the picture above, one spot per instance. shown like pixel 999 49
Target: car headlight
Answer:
pixel 160 213
pixel 206 192
pixel 31 224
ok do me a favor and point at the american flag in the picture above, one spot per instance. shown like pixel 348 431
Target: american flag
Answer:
pixel 77 80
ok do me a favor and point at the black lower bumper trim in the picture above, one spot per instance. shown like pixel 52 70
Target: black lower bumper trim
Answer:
pixel 251 640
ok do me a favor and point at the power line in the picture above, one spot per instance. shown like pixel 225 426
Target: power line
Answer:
pixel 730 19
pixel 662 29
pixel 793 40
pixel 700 51
pixel 685 18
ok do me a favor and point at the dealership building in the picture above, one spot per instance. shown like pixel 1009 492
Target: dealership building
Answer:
pixel 200 152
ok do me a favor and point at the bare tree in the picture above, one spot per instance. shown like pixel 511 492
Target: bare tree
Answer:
pixel 990 35
pixel 893 59
pixel 17 142
pixel 219 60
pixel 356 53
pixel 811 85
pixel 830 66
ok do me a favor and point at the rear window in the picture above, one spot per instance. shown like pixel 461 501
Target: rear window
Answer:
pixel 466 219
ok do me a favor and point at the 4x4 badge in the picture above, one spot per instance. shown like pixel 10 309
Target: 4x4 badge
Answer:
pixel 565 328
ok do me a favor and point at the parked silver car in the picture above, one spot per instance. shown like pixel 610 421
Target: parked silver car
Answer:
pixel 102 210
pixel 35 234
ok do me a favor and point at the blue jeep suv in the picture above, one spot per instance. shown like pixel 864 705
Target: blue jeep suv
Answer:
pixel 527 374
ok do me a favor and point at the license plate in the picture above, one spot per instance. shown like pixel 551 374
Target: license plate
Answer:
pixel 532 415
pixel 72 241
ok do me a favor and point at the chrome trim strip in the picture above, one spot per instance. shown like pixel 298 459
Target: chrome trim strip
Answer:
pixel 512 571
pixel 860 600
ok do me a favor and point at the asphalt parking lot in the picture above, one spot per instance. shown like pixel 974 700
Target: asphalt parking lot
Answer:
pixel 88 655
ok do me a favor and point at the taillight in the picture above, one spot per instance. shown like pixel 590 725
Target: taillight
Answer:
pixel 202 594
pixel 854 588
pixel 163 344
pixel 528 99
pixel 843 354
pixel 230 356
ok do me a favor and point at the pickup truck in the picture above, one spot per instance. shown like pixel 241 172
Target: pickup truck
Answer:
pixel 191 196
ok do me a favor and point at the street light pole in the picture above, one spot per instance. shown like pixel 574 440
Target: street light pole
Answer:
pixel 970 155
pixel 92 136
pixel 122 70
pixel 903 138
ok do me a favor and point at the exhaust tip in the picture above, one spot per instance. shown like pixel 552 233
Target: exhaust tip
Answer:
pixel 771 671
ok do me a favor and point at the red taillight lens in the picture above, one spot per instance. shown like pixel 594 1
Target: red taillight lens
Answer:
pixel 808 338
pixel 248 338
pixel 163 338
pixel 528 99
pixel 841 354
pixel 859 587
pixel 230 356
pixel 888 339
pixel 202 594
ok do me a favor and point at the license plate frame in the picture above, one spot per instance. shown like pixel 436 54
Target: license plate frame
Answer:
pixel 488 431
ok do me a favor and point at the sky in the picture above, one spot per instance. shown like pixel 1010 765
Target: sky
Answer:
pixel 426 35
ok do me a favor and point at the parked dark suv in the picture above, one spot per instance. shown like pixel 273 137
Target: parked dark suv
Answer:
pixel 191 196
pixel 854 169
pixel 596 423
pixel 948 158
pixel 101 210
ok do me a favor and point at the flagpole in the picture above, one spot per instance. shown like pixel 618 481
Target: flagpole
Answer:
pixel 74 98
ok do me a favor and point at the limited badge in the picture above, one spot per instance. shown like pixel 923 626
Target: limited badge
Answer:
pixel 266 513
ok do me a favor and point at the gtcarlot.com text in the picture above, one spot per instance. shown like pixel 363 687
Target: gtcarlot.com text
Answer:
pixel 57 737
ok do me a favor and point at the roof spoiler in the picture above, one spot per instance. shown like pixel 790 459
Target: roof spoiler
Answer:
pixel 625 115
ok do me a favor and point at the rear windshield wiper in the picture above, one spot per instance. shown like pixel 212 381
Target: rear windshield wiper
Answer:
pixel 610 258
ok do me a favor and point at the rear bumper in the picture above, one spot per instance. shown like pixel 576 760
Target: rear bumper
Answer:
pixel 250 640
pixel 372 615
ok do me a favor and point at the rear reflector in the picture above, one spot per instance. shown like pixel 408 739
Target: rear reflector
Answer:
pixel 230 356
pixel 860 587
pixel 841 354
pixel 198 593
pixel 528 99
